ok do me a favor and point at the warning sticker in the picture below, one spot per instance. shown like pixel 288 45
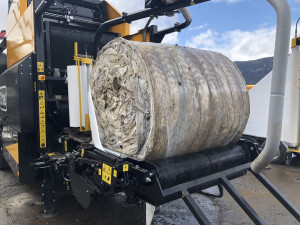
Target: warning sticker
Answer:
pixel 66 146
pixel 106 173
pixel 125 168
pixel 42 119
pixel 40 67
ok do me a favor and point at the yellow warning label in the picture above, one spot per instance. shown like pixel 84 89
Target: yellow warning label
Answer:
pixel 66 146
pixel 99 172
pixel 115 173
pixel 40 67
pixel 42 118
pixel 82 152
pixel 125 167
pixel 106 173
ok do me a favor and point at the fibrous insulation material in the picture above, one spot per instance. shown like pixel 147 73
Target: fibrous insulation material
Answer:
pixel 154 101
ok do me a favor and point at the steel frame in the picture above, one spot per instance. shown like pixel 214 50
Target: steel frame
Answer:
pixel 223 178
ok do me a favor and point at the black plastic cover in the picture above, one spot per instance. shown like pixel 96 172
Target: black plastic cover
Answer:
pixel 155 3
pixel 17 97
pixel 62 44
pixel 3 62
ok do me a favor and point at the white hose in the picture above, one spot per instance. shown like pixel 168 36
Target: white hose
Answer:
pixel 283 11
pixel 186 14
pixel 184 11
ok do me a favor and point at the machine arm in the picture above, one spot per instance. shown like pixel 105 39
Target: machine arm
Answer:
pixel 130 17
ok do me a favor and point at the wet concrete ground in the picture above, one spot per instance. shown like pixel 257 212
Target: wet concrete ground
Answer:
pixel 20 204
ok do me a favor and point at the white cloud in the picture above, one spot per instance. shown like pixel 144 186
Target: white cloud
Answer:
pixel 237 44
pixel 200 27
pixel 3 14
pixel 171 38
pixel 124 6
pixel 203 40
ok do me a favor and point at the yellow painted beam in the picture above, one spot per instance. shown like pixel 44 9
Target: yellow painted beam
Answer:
pixel 23 6
pixel 15 14
pixel 249 87
pixel 112 13
pixel 13 150
pixel 20 41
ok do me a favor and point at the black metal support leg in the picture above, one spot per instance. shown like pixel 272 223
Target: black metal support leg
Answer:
pixel 48 195
pixel 241 201
pixel 295 212
pixel 194 208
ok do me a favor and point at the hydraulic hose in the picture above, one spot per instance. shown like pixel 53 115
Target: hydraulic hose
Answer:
pixel 187 15
pixel 283 30
pixel 184 11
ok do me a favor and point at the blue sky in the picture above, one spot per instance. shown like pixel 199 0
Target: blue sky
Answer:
pixel 240 29
pixel 224 16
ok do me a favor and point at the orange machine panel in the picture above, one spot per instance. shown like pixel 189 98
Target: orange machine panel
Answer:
pixel 15 15
pixel 112 13
pixel 138 36
pixel 20 41
pixel 23 6
pixel 14 151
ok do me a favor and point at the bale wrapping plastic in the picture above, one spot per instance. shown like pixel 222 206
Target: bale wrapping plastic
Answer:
pixel 154 101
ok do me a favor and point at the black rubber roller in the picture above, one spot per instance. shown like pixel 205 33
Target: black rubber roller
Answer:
pixel 177 170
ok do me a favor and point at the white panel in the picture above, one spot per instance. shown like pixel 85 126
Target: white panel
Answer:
pixel 73 87
pixel 260 99
pixel 73 95
pixel 84 92
pixel 259 108
pixel 290 126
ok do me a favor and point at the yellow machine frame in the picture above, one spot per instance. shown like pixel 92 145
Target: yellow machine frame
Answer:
pixel 20 32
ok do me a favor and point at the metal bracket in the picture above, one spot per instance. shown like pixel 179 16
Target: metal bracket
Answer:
pixel 224 181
